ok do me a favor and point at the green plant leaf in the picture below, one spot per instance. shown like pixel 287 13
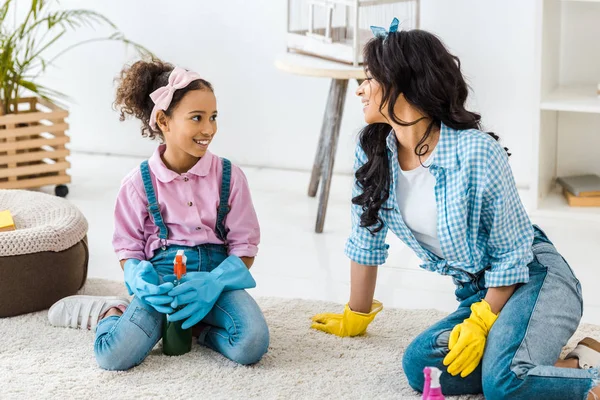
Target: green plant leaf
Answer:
pixel 41 90
pixel 38 52
pixel 4 11
pixel 23 46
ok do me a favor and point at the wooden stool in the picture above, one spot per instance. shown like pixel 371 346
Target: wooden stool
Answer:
pixel 339 74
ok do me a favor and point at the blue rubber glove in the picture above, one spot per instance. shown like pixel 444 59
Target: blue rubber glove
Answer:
pixel 199 291
pixel 142 281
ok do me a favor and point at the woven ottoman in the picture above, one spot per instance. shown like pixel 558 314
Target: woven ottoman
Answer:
pixel 46 257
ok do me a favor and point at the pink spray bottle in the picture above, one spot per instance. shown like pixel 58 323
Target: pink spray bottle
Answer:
pixel 432 389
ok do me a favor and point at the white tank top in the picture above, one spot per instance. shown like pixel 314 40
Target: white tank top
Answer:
pixel 416 200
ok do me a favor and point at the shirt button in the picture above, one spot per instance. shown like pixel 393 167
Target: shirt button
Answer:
pixel 185 179
pixel 198 228
pixel 190 203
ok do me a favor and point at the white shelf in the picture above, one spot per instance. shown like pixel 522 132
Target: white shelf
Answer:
pixel 555 205
pixel 577 98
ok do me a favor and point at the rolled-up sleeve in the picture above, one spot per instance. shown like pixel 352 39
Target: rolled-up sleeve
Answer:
pixel 241 223
pixel 510 231
pixel 129 219
pixel 364 247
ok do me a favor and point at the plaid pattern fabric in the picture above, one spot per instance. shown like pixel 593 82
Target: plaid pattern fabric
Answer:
pixel 482 224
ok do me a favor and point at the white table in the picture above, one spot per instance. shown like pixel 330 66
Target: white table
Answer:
pixel 339 74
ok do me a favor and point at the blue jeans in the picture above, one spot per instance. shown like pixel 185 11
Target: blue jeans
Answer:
pixel 524 343
pixel 235 327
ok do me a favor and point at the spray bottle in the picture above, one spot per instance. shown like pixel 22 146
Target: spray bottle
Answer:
pixel 432 389
pixel 176 340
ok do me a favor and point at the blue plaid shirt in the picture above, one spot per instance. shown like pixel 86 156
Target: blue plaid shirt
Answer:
pixel 482 224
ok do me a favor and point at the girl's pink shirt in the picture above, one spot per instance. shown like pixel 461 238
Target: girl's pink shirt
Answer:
pixel 188 204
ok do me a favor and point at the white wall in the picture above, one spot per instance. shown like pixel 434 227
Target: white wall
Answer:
pixel 270 118
pixel 495 43
pixel 580 55
pixel 578 138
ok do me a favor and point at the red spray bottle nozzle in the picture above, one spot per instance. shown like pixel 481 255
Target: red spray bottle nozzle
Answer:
pixel 179 266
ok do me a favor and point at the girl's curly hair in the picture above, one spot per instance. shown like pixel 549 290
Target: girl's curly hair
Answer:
pixel 136 82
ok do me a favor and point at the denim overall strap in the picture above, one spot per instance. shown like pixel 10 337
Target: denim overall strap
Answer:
pixel 153 207
pixel 224 208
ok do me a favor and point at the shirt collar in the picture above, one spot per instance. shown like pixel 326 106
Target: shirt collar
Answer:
pixel 164 174
pixel 446 148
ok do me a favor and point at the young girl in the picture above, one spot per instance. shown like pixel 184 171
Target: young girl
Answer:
pixel 426 171
pixel 182 198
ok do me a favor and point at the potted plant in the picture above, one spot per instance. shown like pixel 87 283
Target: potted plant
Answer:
pixel 32 125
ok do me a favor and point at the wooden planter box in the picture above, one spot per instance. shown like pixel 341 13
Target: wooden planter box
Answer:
pixel 32 146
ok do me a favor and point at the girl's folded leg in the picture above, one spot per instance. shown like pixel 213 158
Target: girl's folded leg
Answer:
pixel 124 342
pixel 236 328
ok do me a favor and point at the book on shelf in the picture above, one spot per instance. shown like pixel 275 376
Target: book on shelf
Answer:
pixel 578 201
pixel 581 185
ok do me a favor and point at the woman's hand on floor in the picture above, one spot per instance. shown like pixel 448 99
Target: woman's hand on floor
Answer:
pixel 350 323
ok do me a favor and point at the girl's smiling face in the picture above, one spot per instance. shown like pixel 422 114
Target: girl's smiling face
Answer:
pixel 190 128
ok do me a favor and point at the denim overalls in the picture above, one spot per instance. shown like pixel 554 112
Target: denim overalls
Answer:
pixel 235 327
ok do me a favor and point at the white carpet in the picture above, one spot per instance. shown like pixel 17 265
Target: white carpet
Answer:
pixel 40 361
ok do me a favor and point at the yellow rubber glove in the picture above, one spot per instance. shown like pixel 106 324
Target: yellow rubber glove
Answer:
pixel 350 323
pixel 467 340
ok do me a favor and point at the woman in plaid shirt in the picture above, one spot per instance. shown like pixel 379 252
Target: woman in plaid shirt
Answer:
pixel 425 171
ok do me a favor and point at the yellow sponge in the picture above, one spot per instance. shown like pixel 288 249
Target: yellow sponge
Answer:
pixel 6 221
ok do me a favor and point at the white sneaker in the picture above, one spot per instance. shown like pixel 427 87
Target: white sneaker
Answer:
pixel 82 312
pixel 587 352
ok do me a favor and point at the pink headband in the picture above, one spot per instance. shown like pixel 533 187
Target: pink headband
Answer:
pixel 178 79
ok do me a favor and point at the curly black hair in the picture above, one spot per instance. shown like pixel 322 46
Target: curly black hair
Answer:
pixel 416 64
